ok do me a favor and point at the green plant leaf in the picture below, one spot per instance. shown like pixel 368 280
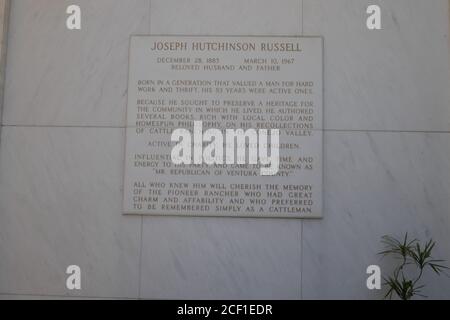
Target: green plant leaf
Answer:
pixel 404 282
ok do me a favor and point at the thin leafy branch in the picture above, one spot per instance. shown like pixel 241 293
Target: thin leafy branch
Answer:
pixel 413 259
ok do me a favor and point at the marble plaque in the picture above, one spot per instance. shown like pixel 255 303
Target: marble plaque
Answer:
pixel 205 85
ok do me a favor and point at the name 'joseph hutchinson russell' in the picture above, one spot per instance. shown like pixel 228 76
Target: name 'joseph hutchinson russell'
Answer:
pixel 226 46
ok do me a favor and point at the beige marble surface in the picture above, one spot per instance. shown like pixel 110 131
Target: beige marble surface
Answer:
pixel 386 154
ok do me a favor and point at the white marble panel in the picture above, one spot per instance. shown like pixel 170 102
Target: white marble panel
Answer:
pixel 391 79
pixel 61 77
pixel 231 17
pixel 376 184
pixel 221 258
pixel 60 204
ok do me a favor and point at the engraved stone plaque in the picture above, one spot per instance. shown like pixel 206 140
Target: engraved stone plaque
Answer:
pixel 198 83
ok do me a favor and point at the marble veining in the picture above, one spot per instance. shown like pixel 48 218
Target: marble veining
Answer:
pixel 57 77
pixel 60 191
pixel 221 258
pixel 394 79
pixel 60 187
pixel 376 184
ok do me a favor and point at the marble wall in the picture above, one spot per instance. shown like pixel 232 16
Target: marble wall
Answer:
pixel 4 22
pixel 387 154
